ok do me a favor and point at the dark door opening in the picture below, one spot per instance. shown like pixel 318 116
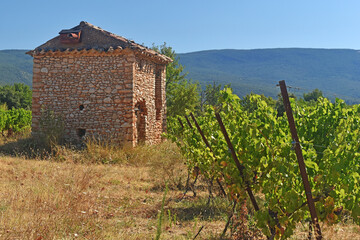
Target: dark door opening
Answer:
pixel 141 115
pixel 80 132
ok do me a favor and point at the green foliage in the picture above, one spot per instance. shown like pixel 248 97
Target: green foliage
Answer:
pixel 18 119
pixel 3 107
pixel 161 214
pixel 181 93
pixel 3 120
pixel 16 96
pixel 250 106
pixel 211 95
pixel 262 140
pixel 313 96
pixel 181 96
pixel 15 120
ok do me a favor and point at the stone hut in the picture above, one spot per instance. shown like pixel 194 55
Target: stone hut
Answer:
pixel 101 85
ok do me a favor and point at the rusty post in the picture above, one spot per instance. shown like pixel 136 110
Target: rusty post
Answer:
pixel 237 162
pixel 188 122
pixel 300 159
pixel 207 145
pixel 181 123
pixel 196 168
pixel 241 170
pixel 201 132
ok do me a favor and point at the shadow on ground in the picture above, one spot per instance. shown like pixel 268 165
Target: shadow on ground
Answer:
pixel 24 147
pixel 201 209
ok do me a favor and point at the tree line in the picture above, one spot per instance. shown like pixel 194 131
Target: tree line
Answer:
pixel 186 94
pixel 16 96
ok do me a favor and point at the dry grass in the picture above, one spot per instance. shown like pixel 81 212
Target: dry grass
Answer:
pixel 334 232
pixel 49 200
pixel 74 195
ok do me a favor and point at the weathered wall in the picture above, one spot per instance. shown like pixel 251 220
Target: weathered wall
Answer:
pixel 149 93
pixel 102 83
pixel 149 89
pixel 109 95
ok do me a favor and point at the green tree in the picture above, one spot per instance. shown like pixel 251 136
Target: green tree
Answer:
pixel 181 93
pixel 250 106
pixel 211 95
pixel 312 96
pixel 16 96
pixel 182 96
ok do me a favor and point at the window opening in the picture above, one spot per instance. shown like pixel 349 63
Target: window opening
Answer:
pixel 81 132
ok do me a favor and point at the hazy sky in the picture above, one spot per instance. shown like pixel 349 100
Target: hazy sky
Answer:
pixel 189 25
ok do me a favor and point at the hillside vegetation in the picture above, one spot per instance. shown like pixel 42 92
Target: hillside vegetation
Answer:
pixel 334 71
pixel 15 67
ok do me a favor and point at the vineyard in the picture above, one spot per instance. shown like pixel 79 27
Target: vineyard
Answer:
pixel 250 151
pixel 14 120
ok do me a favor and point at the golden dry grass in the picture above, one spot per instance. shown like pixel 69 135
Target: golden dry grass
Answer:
pixel 73 195
pixel 49 200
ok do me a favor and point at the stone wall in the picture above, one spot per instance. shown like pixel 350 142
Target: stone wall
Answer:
pixel 91 92
pixel 107 95
pixel 149 95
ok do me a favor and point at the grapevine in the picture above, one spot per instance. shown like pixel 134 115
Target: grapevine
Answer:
pixel 329 136
pixel 15 120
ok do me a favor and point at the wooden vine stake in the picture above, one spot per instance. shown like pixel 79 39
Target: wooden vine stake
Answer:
pixel 241 168
pixel 237 162
pixel 300 158
pixel 181 123
pixel 208 146
pixel 188 122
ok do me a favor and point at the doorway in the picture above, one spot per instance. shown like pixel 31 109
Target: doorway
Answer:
pixel 141 119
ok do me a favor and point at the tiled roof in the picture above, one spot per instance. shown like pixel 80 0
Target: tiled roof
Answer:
pixel 95 38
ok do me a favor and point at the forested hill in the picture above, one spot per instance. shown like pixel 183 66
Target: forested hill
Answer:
pixel 15 67
pixel 334 71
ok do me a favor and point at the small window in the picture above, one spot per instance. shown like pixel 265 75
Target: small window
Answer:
pixel 81 107
pixel 70 36
pixel 81 132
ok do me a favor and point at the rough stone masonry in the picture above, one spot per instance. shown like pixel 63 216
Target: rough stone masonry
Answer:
pixel 101 85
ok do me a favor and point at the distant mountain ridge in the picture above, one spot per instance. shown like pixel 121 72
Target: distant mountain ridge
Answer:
pixel 15 67
pixel 334 71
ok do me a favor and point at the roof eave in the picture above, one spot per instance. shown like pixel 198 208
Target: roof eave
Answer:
pixel 31 53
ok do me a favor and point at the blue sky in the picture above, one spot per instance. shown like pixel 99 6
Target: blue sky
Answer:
pixel 189 25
